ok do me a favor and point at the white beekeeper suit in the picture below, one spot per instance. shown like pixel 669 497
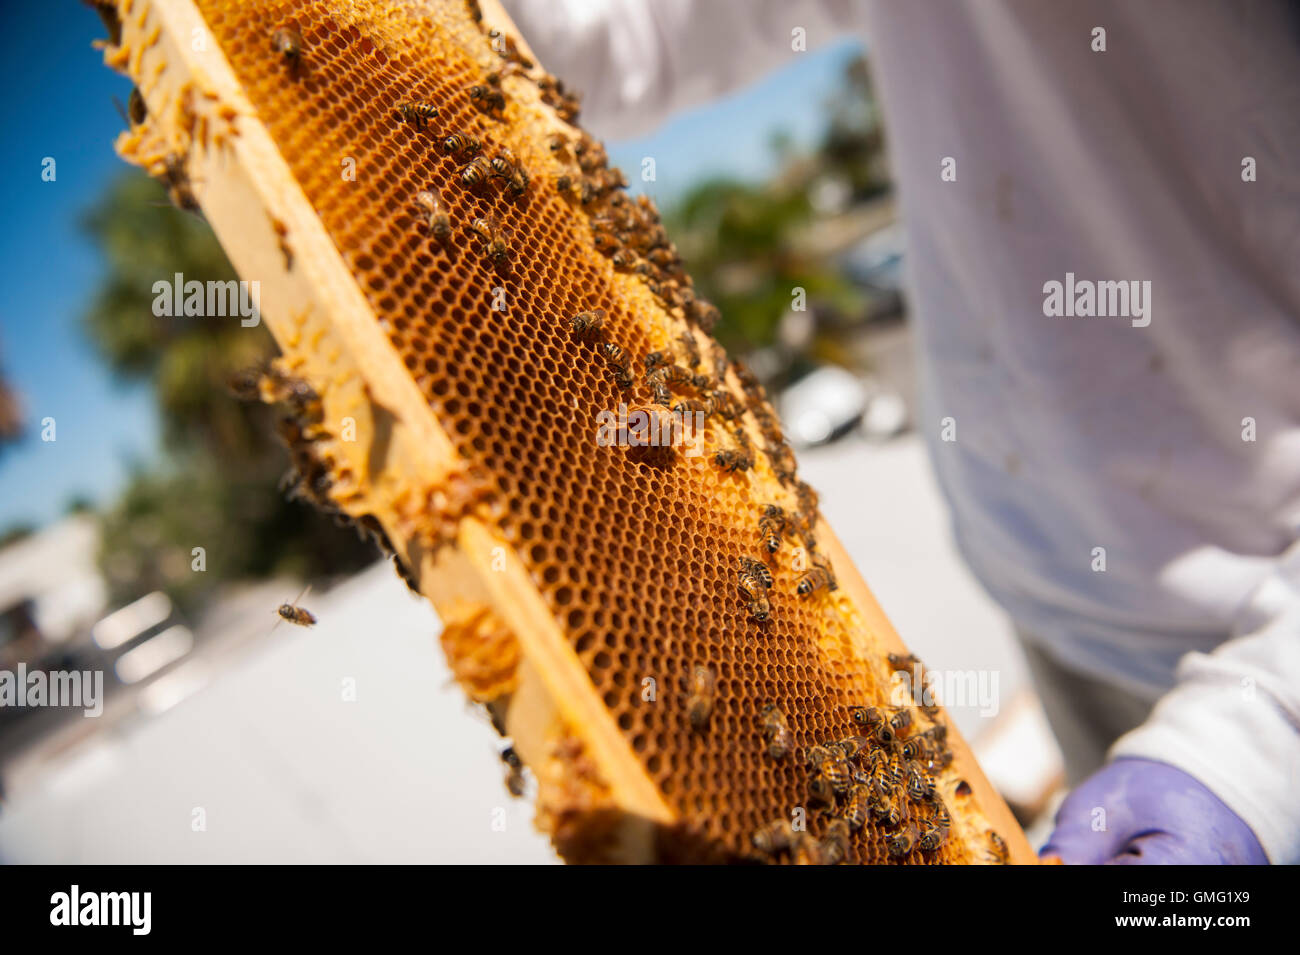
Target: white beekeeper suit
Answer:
pixel 1127 433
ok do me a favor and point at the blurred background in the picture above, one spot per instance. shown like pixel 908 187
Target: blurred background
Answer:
pixel 121 450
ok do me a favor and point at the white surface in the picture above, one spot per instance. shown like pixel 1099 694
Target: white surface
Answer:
pixel 283 768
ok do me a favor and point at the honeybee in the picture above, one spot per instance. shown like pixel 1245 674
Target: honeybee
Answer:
pixel 770 525
pixel 417 113
pixel 919 783
pixel 475 173
pixel 693 406
pixel 858 806
pixel 565 187
pixel 516 784
pixel 997 852
pixel 504 163
pixel 933 836
pixel 902 842
pixel 837 772
pixel 886 808
pixel 835 846
pixel 866 716
pixel 758 570
pixel 778 452
pixel 755 594
pixel 177 180
pixel 657 359
pixel 705 314
pixel 517 184
pixel 487 99
pixel 734 459
pixel 808 850
pixel 295 614
pixel 136 110
pixel 288 43
pixel 660 393
pixel 700 702
pixel 691 348
pixel 774 837
pixel 821 791
pixel 815 579
pixel 902 661
pixel 435 215
pixel 901 720
pixel 506 48
pixel 725 405
pixel 779 738
pixel 616 360
pixel 460 146
pixel 624 260
pixel 588 326
pixel 494 240
pixel 853 746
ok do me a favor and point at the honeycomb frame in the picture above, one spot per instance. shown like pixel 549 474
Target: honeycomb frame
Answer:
pixel 552 615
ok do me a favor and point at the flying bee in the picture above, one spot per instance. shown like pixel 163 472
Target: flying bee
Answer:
pixel 588 326
pixel 460 146
pixel 434 214
pixel 902 842
pixel 487 99
pixel 814 580
pixel 295 614
pixel 857 807
pixel 779 738
pixel 516 784
pixel 770 525
pixel 417 113
pixel 288 43
pixel 773 838
pixel 700 702
pixel 835 846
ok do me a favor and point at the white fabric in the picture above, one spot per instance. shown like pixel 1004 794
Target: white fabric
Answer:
pixel 1076 433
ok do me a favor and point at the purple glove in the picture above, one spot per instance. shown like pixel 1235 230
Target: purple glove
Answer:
pixel 1154 815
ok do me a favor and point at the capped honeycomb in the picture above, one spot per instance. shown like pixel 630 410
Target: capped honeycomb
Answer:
pixel 506 274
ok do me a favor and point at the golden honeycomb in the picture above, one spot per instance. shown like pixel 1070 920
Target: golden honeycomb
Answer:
pixel 636 554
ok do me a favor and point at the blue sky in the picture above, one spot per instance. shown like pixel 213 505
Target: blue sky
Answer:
pixel 58 103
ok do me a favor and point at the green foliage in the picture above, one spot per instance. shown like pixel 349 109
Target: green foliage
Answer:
pixel 217 488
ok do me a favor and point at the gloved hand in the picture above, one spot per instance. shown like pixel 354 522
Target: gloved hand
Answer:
pixel 1154 815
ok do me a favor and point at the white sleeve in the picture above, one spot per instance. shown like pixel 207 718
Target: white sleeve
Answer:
pixel 637 61
pixel 1233 719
